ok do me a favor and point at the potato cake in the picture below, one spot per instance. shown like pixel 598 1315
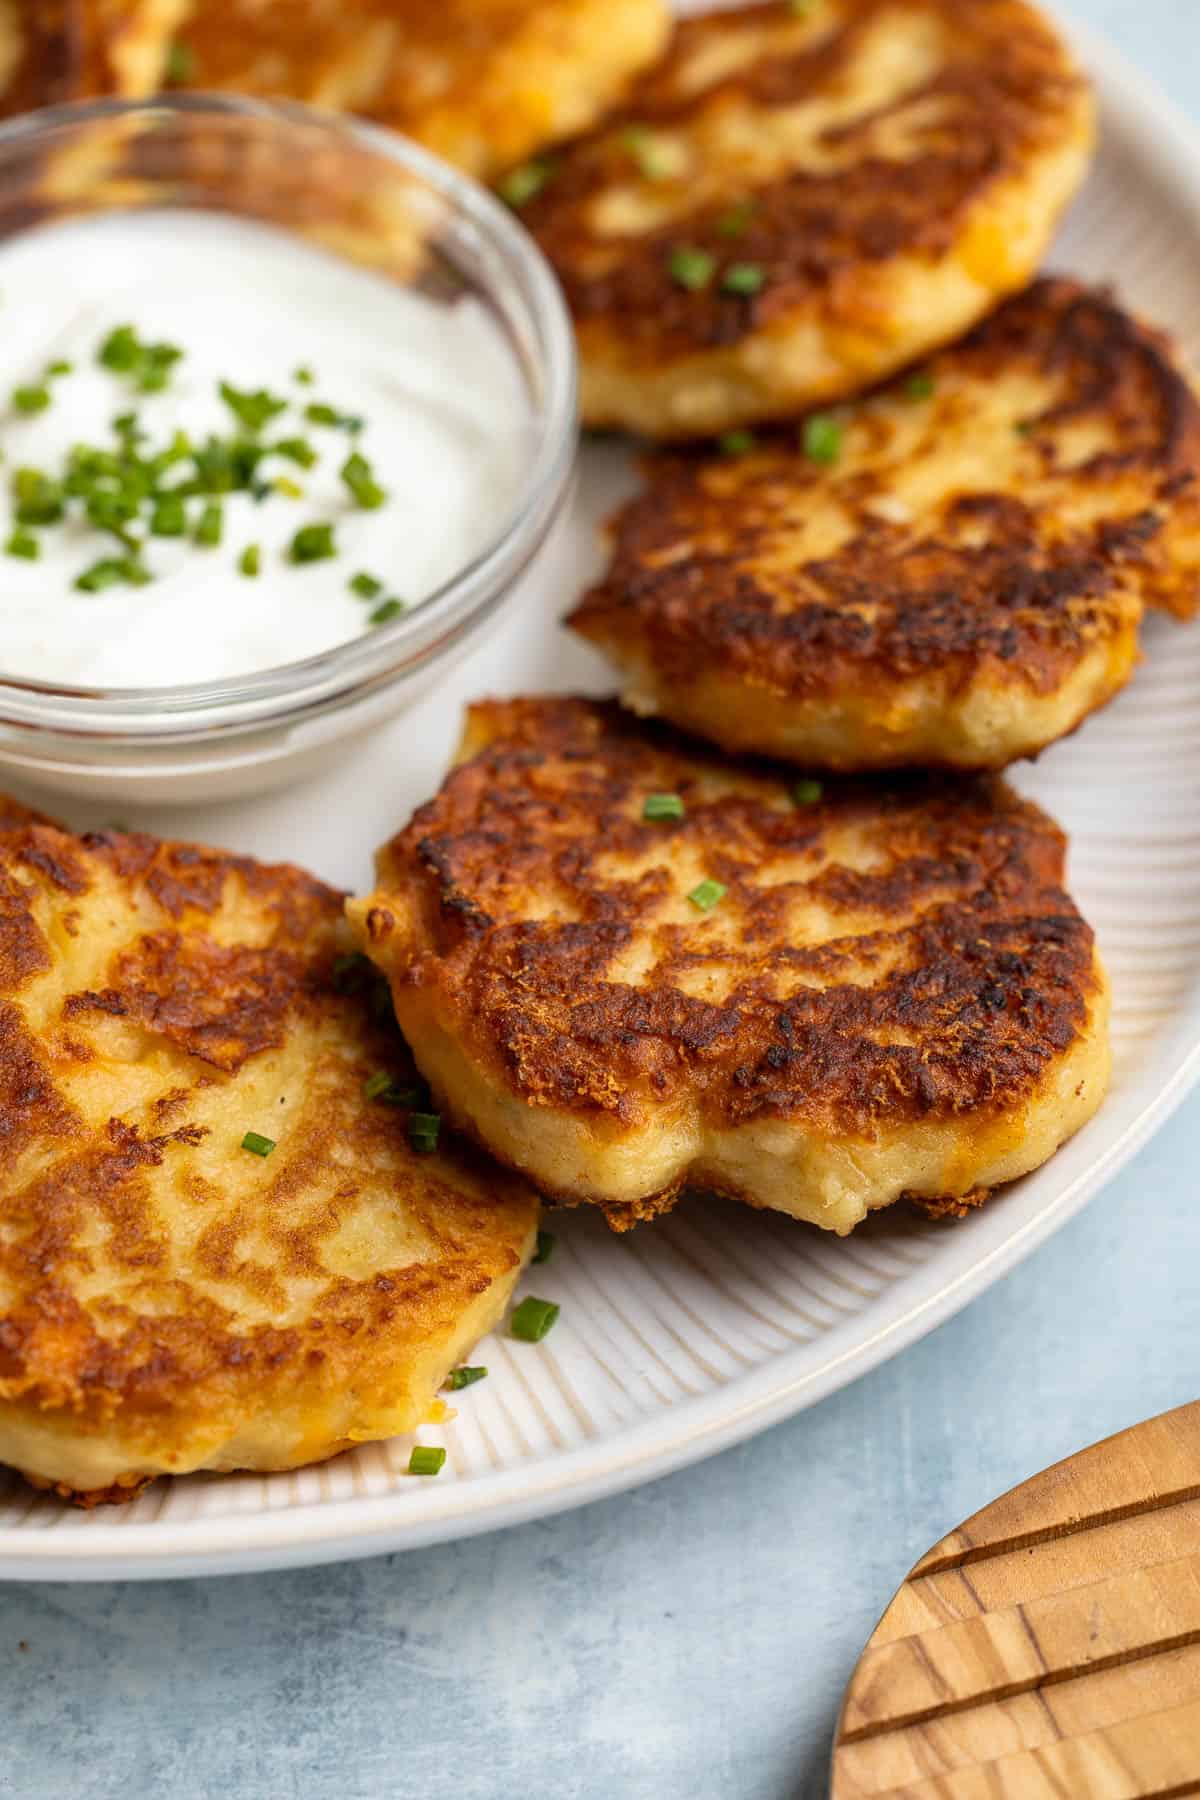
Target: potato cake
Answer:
pixel 482 82
pixel 801 198
pixel 625 963
pixel 60 50
pixel 230 1237
pixel 949 572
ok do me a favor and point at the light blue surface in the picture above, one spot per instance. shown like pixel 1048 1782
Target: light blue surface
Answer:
pixel 685 1642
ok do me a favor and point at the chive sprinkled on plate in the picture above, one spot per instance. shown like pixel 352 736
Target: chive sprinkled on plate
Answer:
pixel 383 1086
pixel 662 806
pixel 736 443
pixel 319 412
pixel 707 894
pixel 919 386
pixel 169 518
pixel 297 450
pixel 181 61
pixel 423 1131
pixel 691 268
pixel 533 1319
pixel 646 154
pixel 822 438
pixel 544 1249
pixel 303 376
pixel 257 1144
pixel 467 1376
pixel 250 561
pixel 23 544
pixel 743 278
pixel 367 587
pixel 807 792
pixel 524 183
pixel 427 1459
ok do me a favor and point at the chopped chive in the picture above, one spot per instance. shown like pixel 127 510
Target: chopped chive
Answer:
pixel 662 806
pixel 23 544
pixel 391 609
pixel 157 362
pixel 533 1319
pixel 359 477
pixel 251 407
pixel 467 1376
pixel 312 543
pixel 544 1249
pixel 822 438
pixel 291 490
pixel 736 443
pixel 381 1086
pixel 738 219
pixel 169 518
pixel 257 1144
pixel 211 526
pixel 319 412
pixel 180 63
pixel 39 499
pixel 367 587
pixel 250 561
pixel 807 793
pixel 638 140
pixel 120 349
pixel 1024 427
pixel 743 278
pixel 691 268
pixel 110 571
pixel 423 1129
pixel 59 367
pixel 32 399
pixel 296 449
pixel 427 1459
pixel 707 894
pixel 919 386
pixel 303 376
pixel 522 184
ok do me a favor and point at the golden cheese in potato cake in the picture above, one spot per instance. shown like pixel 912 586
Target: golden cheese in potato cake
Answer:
pixel 951 571
pixel 625 963
pixel 230 1237
pixel 801 198
pixel 482 82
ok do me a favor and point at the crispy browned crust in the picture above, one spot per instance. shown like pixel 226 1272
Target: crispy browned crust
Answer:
pixel 525 882
pixel 1016 585
pixel 1004 93
pixel 109 1308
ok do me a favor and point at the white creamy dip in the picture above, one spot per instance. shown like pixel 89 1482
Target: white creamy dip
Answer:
pixel 444 425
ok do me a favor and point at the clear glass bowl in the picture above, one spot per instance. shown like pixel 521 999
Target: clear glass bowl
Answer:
pixel 380 202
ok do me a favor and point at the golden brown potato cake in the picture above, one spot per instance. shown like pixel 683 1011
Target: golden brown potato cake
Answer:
pixel 170 1300
pixel 626 963
pixel 949 572
pixel 57 50
pixel 801 198
pixel 482 82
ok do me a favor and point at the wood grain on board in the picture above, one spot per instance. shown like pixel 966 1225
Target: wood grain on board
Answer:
pixel 1049 1648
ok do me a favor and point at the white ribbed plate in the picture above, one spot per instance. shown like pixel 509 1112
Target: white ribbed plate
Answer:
pixel 692 1333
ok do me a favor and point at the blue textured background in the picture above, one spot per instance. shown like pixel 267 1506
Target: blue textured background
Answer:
pixel 687 1641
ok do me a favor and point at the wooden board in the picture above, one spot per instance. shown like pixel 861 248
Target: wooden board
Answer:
pixel 1049 1649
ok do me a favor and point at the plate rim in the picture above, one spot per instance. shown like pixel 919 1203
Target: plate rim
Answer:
pixel 326 1531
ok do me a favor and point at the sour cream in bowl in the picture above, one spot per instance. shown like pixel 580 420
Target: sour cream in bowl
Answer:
pixel 286 408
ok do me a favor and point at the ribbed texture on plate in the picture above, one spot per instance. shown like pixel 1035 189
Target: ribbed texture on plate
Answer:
pixel 717 1310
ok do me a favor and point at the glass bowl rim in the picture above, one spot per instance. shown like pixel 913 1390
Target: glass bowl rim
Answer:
pixel 403 647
